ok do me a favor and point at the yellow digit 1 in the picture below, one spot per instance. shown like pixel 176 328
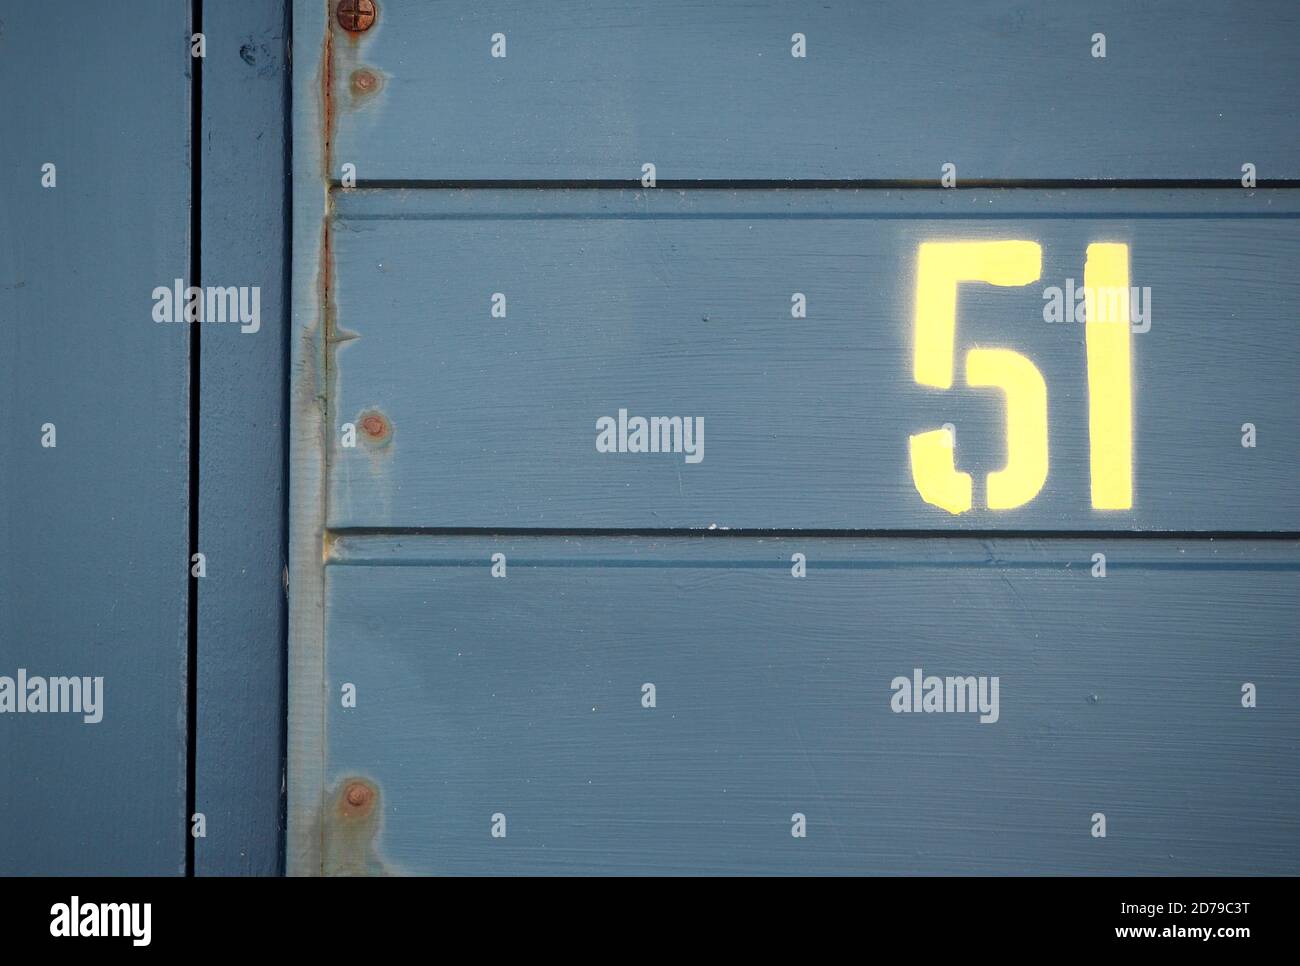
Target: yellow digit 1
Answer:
pixel 1110 379
pixel 941 266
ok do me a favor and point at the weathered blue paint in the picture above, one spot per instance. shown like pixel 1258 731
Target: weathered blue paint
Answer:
pixel 1001 88
pixel 242 429
pixel 94 569
pixel 523 696
pixel 678 303
pixel 308 302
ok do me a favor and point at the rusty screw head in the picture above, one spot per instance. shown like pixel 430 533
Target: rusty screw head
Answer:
pixel 364 81
pixel 358 794
pixel 355 16
pixel 374 426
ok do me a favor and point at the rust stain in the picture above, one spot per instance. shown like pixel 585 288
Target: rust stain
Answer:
pixel 358 797
pixel 314 411
pixel 327 103
pixel 349 816
pixel 376 430
pixel 325 271
pixel 364 83
pixel 350 830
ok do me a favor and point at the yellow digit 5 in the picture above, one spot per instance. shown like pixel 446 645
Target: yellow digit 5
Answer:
pixel 941 267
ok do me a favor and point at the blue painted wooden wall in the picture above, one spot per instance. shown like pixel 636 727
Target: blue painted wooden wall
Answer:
pixel 240 681
pixel 480 597
pixel 1005 90
pixel 94 529
pixel 494 592
pixel 167 439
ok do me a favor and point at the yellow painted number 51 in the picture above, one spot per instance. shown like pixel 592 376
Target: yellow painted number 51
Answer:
pixel 941 267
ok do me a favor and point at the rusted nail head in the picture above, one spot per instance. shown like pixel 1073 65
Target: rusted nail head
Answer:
pixel 355 16
pixel 364 81
pixel 358 794
pixel 374 425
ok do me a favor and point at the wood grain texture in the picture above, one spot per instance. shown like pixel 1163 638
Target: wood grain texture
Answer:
pixel 522 695
pixel 94 531
pixel 478 695
pixel 1003 89
pixel 242 431
pixel 677 303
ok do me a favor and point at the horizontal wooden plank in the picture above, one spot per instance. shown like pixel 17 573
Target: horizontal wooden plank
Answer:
pixel 679 304
pixel 522 696
pixel 1001 89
